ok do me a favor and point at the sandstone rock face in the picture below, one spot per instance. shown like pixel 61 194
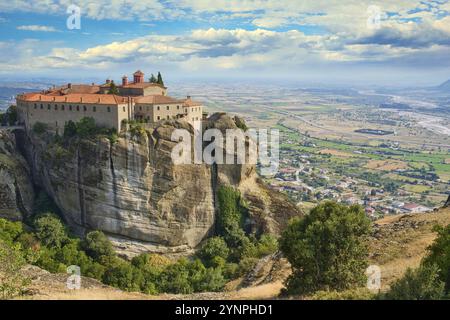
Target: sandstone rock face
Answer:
pixel 16 189
pixel 133 191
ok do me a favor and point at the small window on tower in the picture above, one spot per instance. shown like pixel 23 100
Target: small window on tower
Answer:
pixel 78 108
pixel 62 107
pixel 109 109
pixel 94 108
pixel 35 106
pixel 70 108
pixel 56 107
pixel 167 108
pixel 84 108
pixel 124 109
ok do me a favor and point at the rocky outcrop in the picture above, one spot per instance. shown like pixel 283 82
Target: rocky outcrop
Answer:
pixel 16 189
pixel 447 203
pixel 131 189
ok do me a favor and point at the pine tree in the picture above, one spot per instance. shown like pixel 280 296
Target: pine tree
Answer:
pixel 153 79
pixel 160 80
pixel 113 89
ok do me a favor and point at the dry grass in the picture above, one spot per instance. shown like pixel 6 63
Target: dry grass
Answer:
pixel 386 165
pixel 336 153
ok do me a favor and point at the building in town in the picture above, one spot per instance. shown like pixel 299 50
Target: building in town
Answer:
pixel 136 100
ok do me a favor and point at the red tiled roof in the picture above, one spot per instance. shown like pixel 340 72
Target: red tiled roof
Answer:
pixel 75 98
pixel 138 73
pixel 191 103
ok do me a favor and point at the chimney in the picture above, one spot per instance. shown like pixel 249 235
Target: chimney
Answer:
pixel 69 86
pixel 108 81
pixel 124 80
pixel 92 84
pixel 138 77
pixel 188 97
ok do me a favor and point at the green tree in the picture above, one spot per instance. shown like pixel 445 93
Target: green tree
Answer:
pixel 12 282
pixel 213 248
pixel 113 89
pixel 10 231
pixel 160 79
pixel 153 79
pixel 231 215
pixel 86 127
pixel 123 275
pixel 70 129
pixel 39 128
pixel 12 115
pixel 97 245
pixel 439 254
pixel 327 249
pixel 50 231
pixel 420 284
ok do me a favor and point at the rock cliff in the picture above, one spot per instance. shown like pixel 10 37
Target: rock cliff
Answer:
pixel 16 189
pixel 131 190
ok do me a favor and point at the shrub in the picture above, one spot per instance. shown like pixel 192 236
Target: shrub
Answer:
pixel 267 244
pixel 123 275
pixel 350 294
pixel 12 283
pixel 232 213
pixel 439 254
pixel 420 284
pixel 39 128
pixel 86 127
pixel 12 115
pixel 50 230
pixel 70 129
pixel 327 249
pixel 10 231
pixel 97 245
pixel 213 248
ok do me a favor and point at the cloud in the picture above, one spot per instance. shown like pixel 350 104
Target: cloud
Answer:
pixel 39 28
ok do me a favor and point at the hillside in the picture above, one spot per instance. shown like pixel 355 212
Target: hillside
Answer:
pixel 398 242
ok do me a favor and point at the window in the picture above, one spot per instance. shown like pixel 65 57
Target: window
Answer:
pixel 168 117
pixel 157 108
pixel 178 107
pixel 70 108
pixel 167 107
pixel 48 107
pixel 84 108
pixel 124 109
pixel 63 107
pixel 140 108
pixel 109 109
pixel 35 105
pixel 94 108
pixel 78 108
pixel 56 107
pixel 158 117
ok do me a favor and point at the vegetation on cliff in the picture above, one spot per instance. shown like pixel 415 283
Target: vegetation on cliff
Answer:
pixel 327 249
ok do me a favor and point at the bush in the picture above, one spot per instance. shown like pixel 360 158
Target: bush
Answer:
pixel 123 275
pixel 12 115
pixel 39 128
pixel 420 284
pixel 213 248
pixel 439 254
pixel 327 249
pixel 12 283
pixel 10 231
pixel 86 127
pixel 232 213
pixel 50 231
pixel 70 129
pixel 351 294
pixel 97 245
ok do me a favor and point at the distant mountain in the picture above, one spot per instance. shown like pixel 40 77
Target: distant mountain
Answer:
pixel 444 86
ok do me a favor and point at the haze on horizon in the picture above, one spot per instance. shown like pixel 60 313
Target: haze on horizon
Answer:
pixel 401 43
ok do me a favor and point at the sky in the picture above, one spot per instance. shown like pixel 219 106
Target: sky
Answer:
pixel 384 43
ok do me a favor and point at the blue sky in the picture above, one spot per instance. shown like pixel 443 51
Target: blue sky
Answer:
pixel 404 42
